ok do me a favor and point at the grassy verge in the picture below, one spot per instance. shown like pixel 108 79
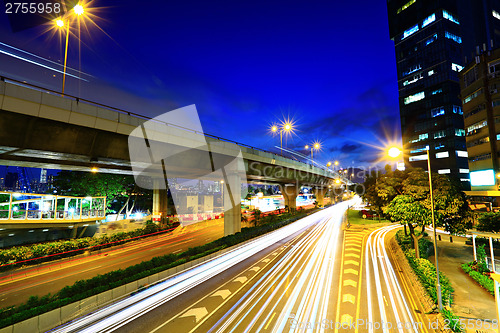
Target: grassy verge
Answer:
pixel 100 283
pixel 426 273
pixel 354 217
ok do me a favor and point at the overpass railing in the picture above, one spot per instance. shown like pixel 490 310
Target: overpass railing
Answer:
pixel 21 207
pixel 80 100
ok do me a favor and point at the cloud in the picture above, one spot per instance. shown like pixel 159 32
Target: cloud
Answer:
pixel 349 148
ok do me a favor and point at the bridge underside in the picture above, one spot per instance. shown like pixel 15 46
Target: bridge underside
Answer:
pixel 33 141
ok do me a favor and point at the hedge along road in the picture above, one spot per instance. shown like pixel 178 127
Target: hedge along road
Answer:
pixel 52 277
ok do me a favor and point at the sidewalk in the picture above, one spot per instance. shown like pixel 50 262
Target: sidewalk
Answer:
pixel 470 299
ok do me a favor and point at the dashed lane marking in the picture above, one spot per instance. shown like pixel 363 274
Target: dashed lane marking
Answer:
pixel 241 279
pixel 351 283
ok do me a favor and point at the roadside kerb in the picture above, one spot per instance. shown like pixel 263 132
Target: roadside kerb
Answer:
pixel 409 273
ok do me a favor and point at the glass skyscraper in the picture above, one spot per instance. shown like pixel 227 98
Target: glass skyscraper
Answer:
pixel 433 39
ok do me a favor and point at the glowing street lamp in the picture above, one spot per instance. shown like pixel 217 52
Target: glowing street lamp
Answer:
pixel 285 127
pixel 394 152
pixel 60 23
pixel 313 146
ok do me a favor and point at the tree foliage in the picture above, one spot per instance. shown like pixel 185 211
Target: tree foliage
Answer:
pixel 489 222
pixel 116 188
pixel 404 196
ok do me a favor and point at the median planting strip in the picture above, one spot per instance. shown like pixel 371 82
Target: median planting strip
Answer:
pixel 45 252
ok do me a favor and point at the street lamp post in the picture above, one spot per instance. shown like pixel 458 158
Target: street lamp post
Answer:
pixel 395 152
pixel 287 127
pixel 78 9
pixel 438 285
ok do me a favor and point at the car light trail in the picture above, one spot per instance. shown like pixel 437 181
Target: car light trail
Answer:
pixel 120 313
pixel 398 308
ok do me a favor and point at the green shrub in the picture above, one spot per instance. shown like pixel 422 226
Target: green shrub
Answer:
pixel 484 280
pixel 60 249
pixel 453 321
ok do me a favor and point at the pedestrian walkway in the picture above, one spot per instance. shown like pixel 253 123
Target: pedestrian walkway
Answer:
pixel 470 300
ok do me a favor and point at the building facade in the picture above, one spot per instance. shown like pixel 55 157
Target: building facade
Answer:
pixel 480 84
pixel 432 40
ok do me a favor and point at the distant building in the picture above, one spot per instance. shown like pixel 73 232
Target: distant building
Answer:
pixel 433 40
pixel 12 181
pixel 480 83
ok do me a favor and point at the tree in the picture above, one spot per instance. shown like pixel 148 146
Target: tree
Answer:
pixel 489 222
pixel 409 195
pixel 256 216
pixel 116 188
pixel 408 211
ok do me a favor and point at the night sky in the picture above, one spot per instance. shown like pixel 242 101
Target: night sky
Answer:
pixel 329 65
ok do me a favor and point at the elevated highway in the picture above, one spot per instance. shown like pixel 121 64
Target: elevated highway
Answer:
pixel 42 129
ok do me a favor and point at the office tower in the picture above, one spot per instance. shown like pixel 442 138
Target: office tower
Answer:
pixel 480 83
pixel 432 39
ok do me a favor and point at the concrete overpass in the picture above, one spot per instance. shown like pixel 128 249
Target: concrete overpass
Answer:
pixel 40 128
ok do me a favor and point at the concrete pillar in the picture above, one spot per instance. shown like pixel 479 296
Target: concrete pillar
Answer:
pixel 232 204
pixel 160 203
pixel 290 192
pixel 320 195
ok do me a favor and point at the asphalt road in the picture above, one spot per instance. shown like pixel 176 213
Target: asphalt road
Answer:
pixel 17 286
pixel 280 286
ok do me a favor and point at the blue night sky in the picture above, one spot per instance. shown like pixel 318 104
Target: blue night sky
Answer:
pixel 329 65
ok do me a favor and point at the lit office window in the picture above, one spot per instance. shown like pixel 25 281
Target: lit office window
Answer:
pixel 472 96
pixel 431 39
pixel 447 15
pixel 444 171
pixel 443 154
pixel 457 109
pixel 429 20
pixel 495 14
pixel 462 153
pixel 412 69
pixel 439 134
pixel 476 126
pixel 463 170
pixel 406 5
pixel 418 158
pixel 437 91
pixel 414 98
pixel 438 146
pixel 498 137
pixel 459 132
pixel 410 31
pixel 453 37
pixel 456 68
pixel 437 112
pixel 431 72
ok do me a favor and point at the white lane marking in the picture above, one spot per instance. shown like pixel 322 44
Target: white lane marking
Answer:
pixel 241 279
pixel 198 313
pixel 224 293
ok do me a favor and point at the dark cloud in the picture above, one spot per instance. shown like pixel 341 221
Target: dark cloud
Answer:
pixel 349 148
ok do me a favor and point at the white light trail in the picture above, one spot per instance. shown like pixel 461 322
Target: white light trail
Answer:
pixel 23 58
pixel 119 314
pixel 389 286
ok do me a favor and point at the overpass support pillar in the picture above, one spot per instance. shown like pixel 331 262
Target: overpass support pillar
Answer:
pixel 232 204
pixel 290 192
pixel 320 195
pixel 160 203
